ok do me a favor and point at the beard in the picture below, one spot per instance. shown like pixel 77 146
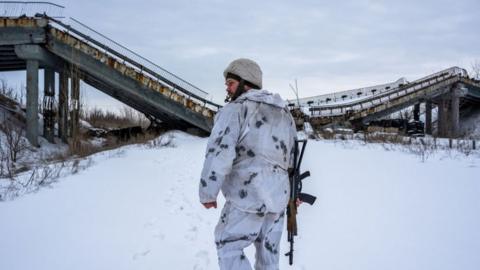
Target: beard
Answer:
pixel 238 92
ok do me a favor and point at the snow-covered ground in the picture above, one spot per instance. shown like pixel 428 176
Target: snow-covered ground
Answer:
pixel 137 208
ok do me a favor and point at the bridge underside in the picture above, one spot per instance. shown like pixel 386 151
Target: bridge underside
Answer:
pixel 9 61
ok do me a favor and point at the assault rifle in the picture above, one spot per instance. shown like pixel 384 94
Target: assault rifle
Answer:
pixel 296 194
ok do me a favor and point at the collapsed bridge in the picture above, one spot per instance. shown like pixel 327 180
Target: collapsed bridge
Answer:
pixel 42 42
pixel 450 90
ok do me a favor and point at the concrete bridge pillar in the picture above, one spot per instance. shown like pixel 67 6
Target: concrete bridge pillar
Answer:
pixel 428 117
pixel 456 92
pixel 32 102
pixel 48 104
pixel 442 117
pixel 74 109
pixel 416 112
pixel 63 106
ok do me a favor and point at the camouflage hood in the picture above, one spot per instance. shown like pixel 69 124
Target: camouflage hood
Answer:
pixel 262 96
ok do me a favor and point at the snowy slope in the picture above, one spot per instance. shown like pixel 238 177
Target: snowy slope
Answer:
pixel 136 208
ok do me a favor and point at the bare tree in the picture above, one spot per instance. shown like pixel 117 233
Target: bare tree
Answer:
pixel 3 161
pixel 406 115
pixel 15 143
pixel 295 90
pixel 128 114
pixel 6 91
pixel 10 94
pixel 475 70
pixel 134 116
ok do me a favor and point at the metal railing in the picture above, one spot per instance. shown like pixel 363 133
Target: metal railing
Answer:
pixel 351 95
pixel 30 9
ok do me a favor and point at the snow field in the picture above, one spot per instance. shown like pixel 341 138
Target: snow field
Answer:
pixel 137 208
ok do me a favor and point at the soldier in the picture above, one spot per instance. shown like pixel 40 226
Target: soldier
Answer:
pixel 248 156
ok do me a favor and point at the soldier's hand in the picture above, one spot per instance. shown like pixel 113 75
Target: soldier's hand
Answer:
pixel 298 202
pixel 209 205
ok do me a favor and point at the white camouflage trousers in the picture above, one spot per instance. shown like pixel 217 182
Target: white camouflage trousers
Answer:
pixel 237 229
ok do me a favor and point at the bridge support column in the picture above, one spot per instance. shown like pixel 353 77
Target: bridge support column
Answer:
pixel 63 106
pixel 428 117
pixel 74 110
pixel 48 104
pixel 32 102
pixel 457 92
pixel 442 117
pixel 416 112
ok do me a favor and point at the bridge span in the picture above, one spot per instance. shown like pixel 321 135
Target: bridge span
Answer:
pixel 450 90
pixel 41 42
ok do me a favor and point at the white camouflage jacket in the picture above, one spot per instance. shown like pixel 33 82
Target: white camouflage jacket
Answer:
pixel 249 152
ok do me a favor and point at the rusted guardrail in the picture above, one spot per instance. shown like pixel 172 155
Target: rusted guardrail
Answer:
pixel 30 8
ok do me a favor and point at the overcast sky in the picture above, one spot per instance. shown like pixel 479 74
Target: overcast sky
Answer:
pixel 327 45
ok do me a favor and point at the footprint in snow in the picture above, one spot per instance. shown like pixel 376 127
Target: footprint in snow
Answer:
pixel 141 254
pixel 195 216
pixel 203 262
pixel 192 233
pixel 159 235
pixel 151 223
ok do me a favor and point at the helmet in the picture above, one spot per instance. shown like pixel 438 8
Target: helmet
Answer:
pixel 245 69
